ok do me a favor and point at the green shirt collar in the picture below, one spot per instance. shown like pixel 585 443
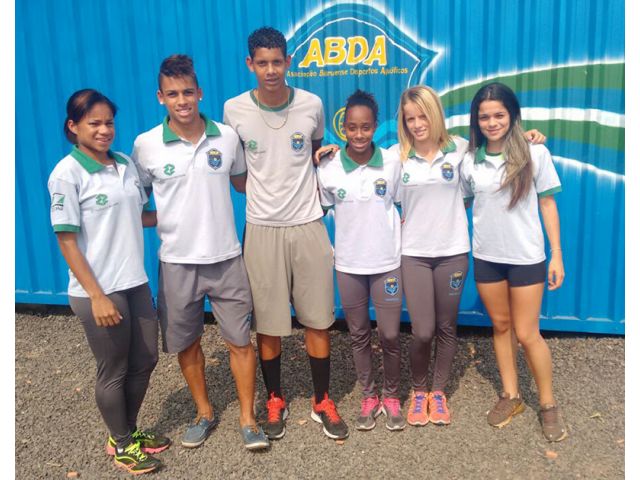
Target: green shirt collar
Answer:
pixel 481 154
pixel 448 148
pixel 91 165
pixel 349 165
pixel 168 135
pixel 277 108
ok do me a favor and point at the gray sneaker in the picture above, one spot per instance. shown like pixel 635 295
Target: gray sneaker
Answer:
pixel 503 411
pixel 391 408
pixel 553 427
pixel 197 433
pixel 253 437
pixel 369 410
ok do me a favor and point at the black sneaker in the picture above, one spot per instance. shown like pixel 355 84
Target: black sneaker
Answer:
pixel 326 413
pixel 277 413
pixel 134 460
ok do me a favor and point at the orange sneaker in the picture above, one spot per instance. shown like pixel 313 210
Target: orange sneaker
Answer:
pixel 417 414
pixel 438 411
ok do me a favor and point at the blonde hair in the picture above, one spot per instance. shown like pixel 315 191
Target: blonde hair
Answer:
pixel 429 103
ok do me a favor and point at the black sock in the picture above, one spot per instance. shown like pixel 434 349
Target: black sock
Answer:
pixel 320 368
pixel 271 376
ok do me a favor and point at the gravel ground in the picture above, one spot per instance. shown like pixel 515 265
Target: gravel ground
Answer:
pixel 59 429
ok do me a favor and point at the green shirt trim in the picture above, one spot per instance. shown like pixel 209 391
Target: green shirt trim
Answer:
pixel 551 191
pixel 482 154
pixel 277 108
pixel 349 165
pixel 448 148
pixel 66 228
pixel 168 135
pixel 91 165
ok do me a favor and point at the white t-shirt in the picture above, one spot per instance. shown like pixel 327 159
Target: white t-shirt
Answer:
pixel 501 235
pixel 191 189
pixel 102 205
pixel 434 218
pixel 367 223
pixel 281 182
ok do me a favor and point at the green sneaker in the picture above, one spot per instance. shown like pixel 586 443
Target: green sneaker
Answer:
pixel 134 460
pixel 150 442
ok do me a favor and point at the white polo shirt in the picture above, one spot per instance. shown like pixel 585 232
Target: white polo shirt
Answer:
pixel 282 189
pixel 501 235
pixel 367 223
pixel 191 190
pixel 102 205
pixel 434 218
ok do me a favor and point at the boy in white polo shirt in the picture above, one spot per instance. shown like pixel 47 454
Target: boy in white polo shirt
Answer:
pixel 287 249
pixel 189 160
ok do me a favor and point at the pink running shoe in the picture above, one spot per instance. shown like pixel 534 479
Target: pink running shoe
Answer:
pixel 391 408
pixel 369 410
pixel 417 415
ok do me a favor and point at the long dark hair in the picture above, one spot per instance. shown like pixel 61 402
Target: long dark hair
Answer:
pixel 519 171
pixel 81 103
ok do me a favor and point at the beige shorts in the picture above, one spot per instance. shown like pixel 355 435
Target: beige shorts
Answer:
pixel 290 266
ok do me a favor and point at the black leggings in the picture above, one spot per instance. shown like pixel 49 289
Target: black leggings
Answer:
pixel 432 288
pixel 125 354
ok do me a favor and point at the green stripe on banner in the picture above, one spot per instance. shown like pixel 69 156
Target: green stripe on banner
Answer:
pixel 607 76
pixel 582 132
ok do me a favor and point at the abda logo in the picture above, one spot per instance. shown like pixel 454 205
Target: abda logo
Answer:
pixel 350 46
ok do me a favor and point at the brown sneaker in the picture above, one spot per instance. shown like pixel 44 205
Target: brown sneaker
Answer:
pixel 503 411
pixel 553 427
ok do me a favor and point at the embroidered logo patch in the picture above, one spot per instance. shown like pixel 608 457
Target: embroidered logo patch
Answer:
pixel 214 158
pixel 57 201
pixel 391 285
pixel 169 169
pixel 405 178
pixel 447 171
pixel 297 141
pixel 252 145
pixel 455 280
pixel 342 193
pixel 101 199
pixel 380 187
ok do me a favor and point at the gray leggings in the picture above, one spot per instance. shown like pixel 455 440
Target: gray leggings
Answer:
pixel 125 354
pixel 385 290
pixel 432 288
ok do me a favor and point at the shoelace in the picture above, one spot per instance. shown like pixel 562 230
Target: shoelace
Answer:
pixel 143 435
pixel 134 451
pixel 368 405
pixel 505 404
pixel 274 407
pixel 329 408
pixel 392 405
pixel 439 400
pixel 418 399
pixel 550 415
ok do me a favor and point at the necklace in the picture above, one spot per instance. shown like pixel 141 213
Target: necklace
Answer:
pixel 286 117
